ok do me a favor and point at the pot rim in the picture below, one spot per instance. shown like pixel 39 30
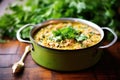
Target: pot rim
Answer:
pixel 91 24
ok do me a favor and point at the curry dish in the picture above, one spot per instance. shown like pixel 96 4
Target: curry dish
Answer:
pixel 67 36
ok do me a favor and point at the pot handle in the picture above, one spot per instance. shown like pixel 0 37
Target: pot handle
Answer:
pixel 113 41
pixel 18 35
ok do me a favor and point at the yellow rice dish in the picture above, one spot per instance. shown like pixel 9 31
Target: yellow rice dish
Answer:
pixel 67 36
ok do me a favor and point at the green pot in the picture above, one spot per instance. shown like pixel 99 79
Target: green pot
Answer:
pixel 66 60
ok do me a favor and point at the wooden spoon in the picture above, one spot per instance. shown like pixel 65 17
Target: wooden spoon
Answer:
pixel 18 66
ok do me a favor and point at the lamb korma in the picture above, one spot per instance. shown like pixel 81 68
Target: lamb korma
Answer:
pixel 67 36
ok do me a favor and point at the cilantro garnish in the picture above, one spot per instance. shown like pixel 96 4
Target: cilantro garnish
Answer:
pixel 68 33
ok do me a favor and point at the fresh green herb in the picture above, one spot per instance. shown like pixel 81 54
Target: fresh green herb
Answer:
pixel 56 33
pixel 68 33
pixel 37 11
pixel 81 37
pixel 65 32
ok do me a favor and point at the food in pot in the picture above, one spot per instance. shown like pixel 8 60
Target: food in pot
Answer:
pixel 67 36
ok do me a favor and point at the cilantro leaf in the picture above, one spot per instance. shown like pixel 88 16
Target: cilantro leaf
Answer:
pixel 37 11
pixel 67 32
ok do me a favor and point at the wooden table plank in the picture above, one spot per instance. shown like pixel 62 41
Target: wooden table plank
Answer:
pixel 6 74
pixel 21 48
pixel 6 61
pixel 28 74
pixel 115 50
pixel 9 47
pixel 80 75
pixel 108 68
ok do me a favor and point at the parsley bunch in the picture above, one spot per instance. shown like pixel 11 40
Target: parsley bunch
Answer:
pixel 68 32
pixel 101 12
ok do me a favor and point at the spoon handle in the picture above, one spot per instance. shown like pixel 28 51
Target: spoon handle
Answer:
pixel 27 49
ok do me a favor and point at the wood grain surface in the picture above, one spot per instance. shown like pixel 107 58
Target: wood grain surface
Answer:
pixel 108 68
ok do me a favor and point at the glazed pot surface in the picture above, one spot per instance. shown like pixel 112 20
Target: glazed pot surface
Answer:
pixel 66 60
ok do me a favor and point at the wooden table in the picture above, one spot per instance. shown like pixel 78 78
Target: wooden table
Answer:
pixel 108 68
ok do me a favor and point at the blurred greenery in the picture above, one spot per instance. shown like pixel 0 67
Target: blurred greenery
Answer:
pixel 101 12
